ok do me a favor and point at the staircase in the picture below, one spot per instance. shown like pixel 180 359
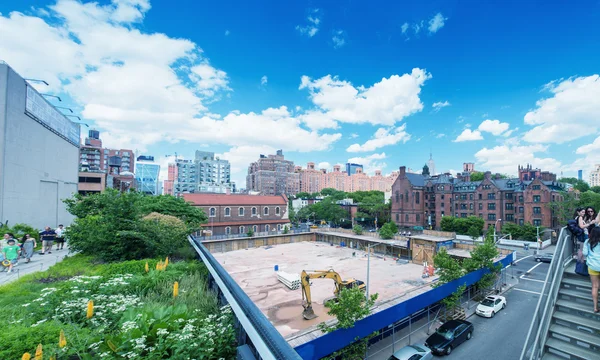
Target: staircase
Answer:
pixel 574 331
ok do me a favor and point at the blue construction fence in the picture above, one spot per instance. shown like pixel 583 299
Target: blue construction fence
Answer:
pixel 337 340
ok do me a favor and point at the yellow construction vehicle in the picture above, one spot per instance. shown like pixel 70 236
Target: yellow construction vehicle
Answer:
pixel 340 284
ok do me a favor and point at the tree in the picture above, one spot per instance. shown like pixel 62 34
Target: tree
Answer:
pixel 482 256
pixel 526 232
pixel 358 230
pixel 453 300
pixel 448 268
pixel 580 185
pixel 463 226
pixel 595 189
pixel 302 195
pixel 477 176
pixel 447 223
pixel 171 205
pixel 349 307
pixel 474 232
pixel 388 230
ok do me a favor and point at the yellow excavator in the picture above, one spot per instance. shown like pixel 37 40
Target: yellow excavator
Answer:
pixel 340 284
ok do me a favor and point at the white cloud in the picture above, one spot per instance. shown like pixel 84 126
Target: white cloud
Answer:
pixel 437 106
pixel 264 80
pixel 139 88
pixel 314 20
pixel 436 23
pixel 418 26
pixel 469 135
pixel 383 137
pixel 370 163
pixel 353 136
pixel 506 158
pixel 571 113
pixel 240 157
pixel 589 148
pixel 404 28
pixel 324 165
pixel 384 103
pixel 494 127
pixel 339 39
pixel 439 136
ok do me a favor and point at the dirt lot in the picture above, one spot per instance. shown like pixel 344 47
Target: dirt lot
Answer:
pixel 253 270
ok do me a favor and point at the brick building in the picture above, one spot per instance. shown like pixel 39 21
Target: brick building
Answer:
pixel 419 200
pixel 236 214
pixel 273 175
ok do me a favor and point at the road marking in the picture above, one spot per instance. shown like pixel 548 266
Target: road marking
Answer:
pixel 523 258
pixel 534 266
pixel 521 277
pixel 527 291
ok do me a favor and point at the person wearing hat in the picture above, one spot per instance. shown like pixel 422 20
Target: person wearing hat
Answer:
pixel 11 253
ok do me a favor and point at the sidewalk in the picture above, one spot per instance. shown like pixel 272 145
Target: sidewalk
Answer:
pixel 38 263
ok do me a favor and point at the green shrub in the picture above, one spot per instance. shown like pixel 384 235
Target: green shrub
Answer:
pixel 358 230
pixel 388 230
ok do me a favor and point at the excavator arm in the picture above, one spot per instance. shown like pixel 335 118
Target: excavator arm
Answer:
pixel 305 278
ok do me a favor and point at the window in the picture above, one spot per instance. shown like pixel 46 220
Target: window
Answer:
pixel 456 197
pixel 536 187
pixel 471 206
pixel 278 227
pixel 227 211
pixel 242 229
pixel 241 211
pixel 397 217
pixel 521 222
pixel 253 211
pixel 266 210
pixel 418 217
pixel 267 227
pixel 442 205
pixel 212 212
pixel 277 210
pixel 417 198
pixel 537 198
pixel 491 196
pixel 442 197
pixel 537 210
pixel 255 228
pixel 492 217
pixel 521 198
pixel 470 196
pixel 406 217
pixel 509 206
pixel 406 195
pixel 491 206
pixel 397 196
pixel 510 217
pixel 508 196
pixel 480 206
pixel 480 196
pixel 521 210
pixel 463 215
pixel 537 222
pixel 227 230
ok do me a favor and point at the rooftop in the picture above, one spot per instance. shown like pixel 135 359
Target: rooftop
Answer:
pixel 235 199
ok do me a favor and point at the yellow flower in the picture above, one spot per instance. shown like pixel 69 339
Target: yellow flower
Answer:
pixel 62 340
pixel 90 309
pixel 175 289
pixel 159 265
pixel 38 352
pixel 146 267
pixel 167 262
pixel 26 356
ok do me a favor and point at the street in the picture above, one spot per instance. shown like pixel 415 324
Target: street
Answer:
pixel 503 336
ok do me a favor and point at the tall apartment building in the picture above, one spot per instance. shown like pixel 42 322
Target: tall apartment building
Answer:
pixel 595 176
pixel 273 175
pixel 205 174
pixel 313 180
pixel 419 200
pixel 94 158
pixel 146 175
pixel 353 168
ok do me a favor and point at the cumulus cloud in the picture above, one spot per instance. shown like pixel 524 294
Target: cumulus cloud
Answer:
pixel 240 157
pixel 339 39
pixel 494 127
pixel 313 21
pixel 436 23
pixel 589 148
pixel 384 103
pixel 469 135
pixel 506 158
pixel 370 163
pixel 404 28
pixel 571 112
pixel 324 165
pixel 437 106
pixel 383 137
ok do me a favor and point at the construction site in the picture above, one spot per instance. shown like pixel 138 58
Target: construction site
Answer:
pixel 328 267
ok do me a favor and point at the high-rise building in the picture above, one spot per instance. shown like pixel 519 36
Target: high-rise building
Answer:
pixel 313 180
pixel 595 176
pixel 273 175
pixel 146 174
pixel 205 174
pixel 579 174
pixel 353 168
pixel 431 165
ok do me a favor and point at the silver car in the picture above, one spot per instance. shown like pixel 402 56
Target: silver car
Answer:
pixel 412 352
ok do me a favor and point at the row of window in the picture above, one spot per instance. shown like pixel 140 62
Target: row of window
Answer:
pixel 242 229
pixel 213 211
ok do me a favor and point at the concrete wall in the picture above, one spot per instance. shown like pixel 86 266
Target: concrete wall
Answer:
pixel 225 245
pixel 38 169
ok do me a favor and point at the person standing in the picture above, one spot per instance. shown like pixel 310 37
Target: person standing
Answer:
pixel 11 253
pixel 29 245
pixel 60 237
pixel 592 253
pixel 47 237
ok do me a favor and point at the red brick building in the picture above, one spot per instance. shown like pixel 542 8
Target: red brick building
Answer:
pixel 419 200
pixel 237 214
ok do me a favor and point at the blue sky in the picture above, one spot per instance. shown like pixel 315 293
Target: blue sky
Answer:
pixel 512 82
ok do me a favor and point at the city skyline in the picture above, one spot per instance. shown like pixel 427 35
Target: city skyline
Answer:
pixel 379 87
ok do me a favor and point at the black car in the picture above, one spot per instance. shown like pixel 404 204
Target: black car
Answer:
pixel 544 257
pixel 448 336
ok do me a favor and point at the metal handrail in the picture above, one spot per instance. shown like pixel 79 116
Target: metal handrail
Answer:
pixel 537 334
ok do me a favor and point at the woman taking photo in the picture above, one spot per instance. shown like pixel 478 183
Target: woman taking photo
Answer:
pixel 592 251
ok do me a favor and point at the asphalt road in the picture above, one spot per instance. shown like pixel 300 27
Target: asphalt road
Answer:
pixel 503 337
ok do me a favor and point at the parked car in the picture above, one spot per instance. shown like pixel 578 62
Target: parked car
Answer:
pixel 413 352
pixel 448 336
pixel 545 257
pixel 490 306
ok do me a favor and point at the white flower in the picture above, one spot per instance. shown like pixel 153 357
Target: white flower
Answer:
pixel 162 331
pixel 26 305
pixel 39 322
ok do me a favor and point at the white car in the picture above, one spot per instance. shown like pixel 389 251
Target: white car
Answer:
pixel 413 352
pixel 490 306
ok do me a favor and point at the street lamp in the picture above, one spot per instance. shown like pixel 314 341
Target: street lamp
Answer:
pixel 495 224
pixel 38 81
pixel 368 267
pixel 66 108
pixel 54 96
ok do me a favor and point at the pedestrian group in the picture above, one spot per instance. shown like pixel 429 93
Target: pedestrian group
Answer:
pixel 588 222
pixel 12 249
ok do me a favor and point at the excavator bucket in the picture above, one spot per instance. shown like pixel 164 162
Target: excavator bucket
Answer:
pixel 309 313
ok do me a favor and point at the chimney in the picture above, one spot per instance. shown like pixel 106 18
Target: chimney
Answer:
pixel 402 172
pixel 487 175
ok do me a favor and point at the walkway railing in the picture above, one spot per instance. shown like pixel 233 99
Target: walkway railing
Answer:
pixel 256 234
pixel 536 337
pixel 264 338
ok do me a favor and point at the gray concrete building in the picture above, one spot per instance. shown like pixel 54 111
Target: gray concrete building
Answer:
pixel 205 174
pixel 39 155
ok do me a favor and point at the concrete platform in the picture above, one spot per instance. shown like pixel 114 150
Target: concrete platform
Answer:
pixel 253 270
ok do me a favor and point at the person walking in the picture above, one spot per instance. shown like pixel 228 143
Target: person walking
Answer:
pixel 11 253
pixel 60 237
pixel 592 252
pixel 47 237
pixel 29 245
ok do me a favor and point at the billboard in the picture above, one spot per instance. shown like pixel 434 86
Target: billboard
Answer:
pixel 42 111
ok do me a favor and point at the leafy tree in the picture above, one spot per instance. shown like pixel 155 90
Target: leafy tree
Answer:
pixel 388 230
pixel 463 226
pixel 447 267
pixel 349 307
pixel 482 256
pixel 526 232
pixel 474 232
pixel 447 223
pixel 595 189
pixel 453 300
pixel 358 230
pixel 477 176
pixel 19 230
pixel 250 232
pixel 580 185
pixel 326 210
pixel 302 195
pixel 171 205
